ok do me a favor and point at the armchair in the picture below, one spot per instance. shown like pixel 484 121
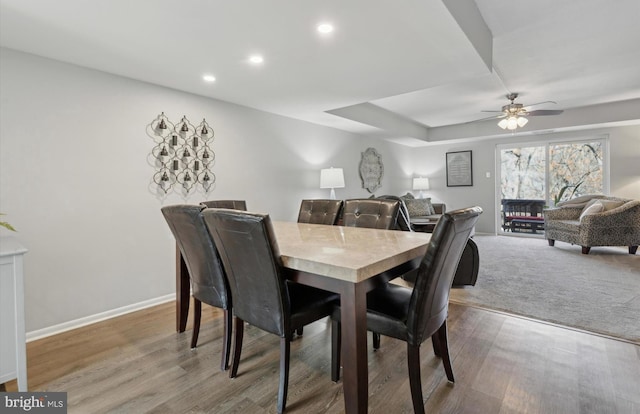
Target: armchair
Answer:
pixel 617 223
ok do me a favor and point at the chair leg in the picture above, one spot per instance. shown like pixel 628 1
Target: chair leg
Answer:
pixel 299 331
pixel 237 346
pixel 336 342
pixel 285 351
pixel 436 344
pixel 197 314
pixel 585 249
pixel 633 249
pixel 226 341
pixel 376 340
pixel 444 350
pixel 413 361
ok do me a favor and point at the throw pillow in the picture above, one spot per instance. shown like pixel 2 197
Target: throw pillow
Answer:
pixel 432 209
pixel 611 204
pixel 406 197
pixel 419 207
pixel 593 208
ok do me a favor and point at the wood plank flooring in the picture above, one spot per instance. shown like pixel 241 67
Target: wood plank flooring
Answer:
pixel 137 363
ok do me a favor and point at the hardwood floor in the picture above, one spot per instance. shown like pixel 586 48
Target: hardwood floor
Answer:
pixel 137 364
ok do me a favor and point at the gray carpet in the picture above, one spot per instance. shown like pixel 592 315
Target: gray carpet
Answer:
pixel 598 292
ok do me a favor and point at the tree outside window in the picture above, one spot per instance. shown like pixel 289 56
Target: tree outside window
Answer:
pixel 574 169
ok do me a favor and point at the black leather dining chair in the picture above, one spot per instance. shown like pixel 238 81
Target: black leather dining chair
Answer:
pixel 232 204
pixel 414 315
pixel 375 213
pixel 372 213
pixel 261 294
pixel 208 280
pixel 319 211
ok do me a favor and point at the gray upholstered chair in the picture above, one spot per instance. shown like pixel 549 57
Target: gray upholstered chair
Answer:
pixel 374 213
pixel 415 315
pixel 208 280
pixel 231 204
pixel 319 211
pixel 261 294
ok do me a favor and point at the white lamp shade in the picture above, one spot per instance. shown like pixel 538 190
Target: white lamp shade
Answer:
pixel 331 178
pixel 421 183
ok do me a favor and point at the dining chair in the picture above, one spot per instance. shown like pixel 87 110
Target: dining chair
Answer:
pixel 371 213
pixel 208 280
pixel 375 213
pixel 261 295
pixel 403 222
pixel 414 315
pixel 232 204
pixel 319 211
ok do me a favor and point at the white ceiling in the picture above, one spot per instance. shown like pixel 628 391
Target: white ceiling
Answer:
pixel 413 71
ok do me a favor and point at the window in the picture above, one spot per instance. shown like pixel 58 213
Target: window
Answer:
pixel 575 168
pixel 552 171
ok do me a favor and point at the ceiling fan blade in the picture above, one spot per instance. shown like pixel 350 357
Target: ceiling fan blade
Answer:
pixel 541 112
pixel 490 117
pixel 540 103
pixel 491 111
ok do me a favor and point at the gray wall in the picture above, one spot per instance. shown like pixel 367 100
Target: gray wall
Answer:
pixel 75 181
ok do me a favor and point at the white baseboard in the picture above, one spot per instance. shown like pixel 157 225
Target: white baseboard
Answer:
pixel 88 320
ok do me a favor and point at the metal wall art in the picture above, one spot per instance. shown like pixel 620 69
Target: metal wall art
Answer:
pixel 371 169
pixel 182 156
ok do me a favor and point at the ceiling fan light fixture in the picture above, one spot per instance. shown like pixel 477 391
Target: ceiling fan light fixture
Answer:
pixel 513 122
pixel 522 121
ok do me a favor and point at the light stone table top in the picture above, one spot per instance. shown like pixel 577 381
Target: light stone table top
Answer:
pixel 348 253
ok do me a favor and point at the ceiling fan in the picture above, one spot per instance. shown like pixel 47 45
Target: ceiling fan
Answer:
pixel 514 114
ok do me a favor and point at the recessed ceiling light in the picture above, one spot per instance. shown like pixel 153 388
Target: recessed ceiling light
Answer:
pixel 256 59
pixel 209 78
pixel 325 28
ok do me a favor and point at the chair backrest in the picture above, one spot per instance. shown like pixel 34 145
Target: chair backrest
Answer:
pixel 371 212
pixel 403 222
pixel 319 211
pixel 231 204
pixel 208 281
pixel 251 259
pixel 429 303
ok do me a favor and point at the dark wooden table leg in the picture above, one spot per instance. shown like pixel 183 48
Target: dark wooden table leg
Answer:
pixel 355 373
pixel 182 292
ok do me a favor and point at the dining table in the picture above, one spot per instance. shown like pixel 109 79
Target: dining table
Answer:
pixel 349 261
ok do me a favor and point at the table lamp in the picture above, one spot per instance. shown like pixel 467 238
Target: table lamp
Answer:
pixel 421 184
pixel 332 178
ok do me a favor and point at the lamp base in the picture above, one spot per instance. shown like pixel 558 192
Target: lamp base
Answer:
pixel 332 195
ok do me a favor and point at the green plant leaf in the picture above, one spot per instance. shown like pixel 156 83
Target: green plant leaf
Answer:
pixel 5 224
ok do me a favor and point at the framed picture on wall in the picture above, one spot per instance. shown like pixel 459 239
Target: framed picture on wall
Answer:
pixel 459 169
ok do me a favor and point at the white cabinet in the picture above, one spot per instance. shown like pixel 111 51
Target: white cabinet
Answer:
pixel 13 350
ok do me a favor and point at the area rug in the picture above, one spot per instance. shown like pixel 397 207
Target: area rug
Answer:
pixel 598 292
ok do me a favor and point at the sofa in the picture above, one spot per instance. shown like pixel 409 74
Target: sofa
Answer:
pixel 594 220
